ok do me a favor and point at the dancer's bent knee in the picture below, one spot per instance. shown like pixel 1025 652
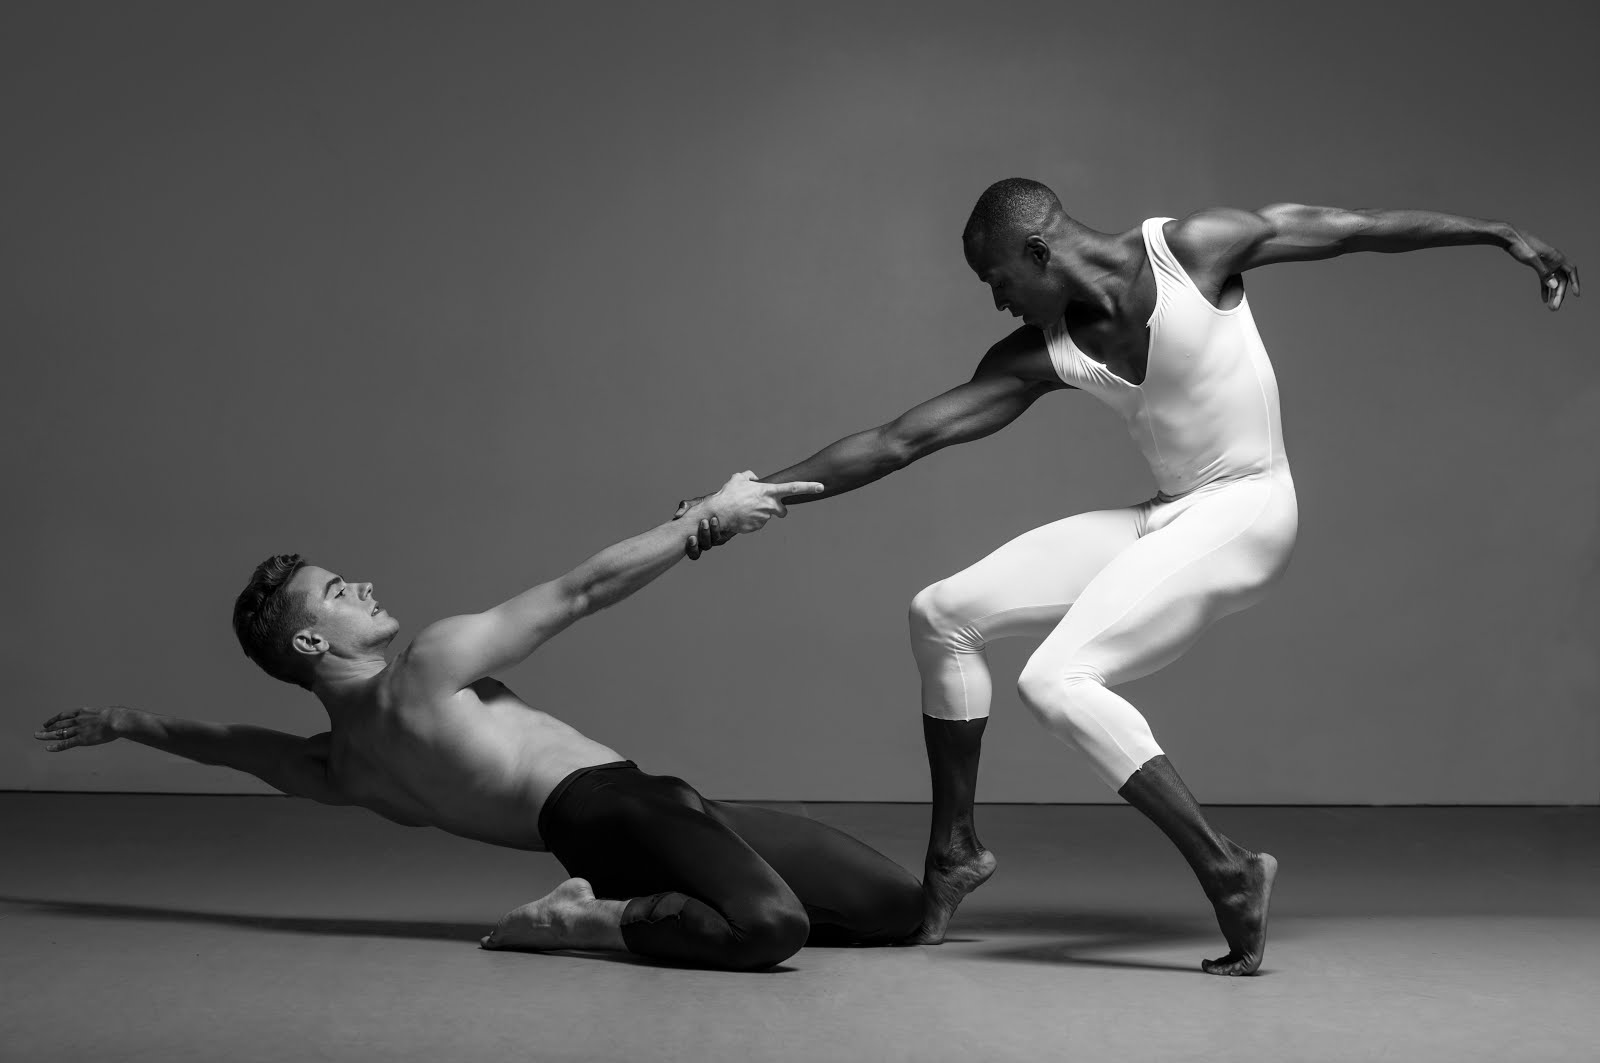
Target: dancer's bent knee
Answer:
pixel 1074 704
pixel 949 654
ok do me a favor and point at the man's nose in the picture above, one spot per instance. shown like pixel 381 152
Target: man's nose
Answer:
pixel 366 591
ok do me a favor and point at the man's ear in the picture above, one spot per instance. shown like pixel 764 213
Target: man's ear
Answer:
pixel 310 643
pixel 1038 249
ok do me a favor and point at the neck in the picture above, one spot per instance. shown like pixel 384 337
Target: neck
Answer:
pixel 1094 266
pixel 344 685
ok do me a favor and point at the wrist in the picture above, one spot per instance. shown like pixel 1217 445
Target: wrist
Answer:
pixel 699 510
pixel 123 722
pixel 1501 234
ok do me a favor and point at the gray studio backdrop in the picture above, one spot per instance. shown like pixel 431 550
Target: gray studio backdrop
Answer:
pixel 448 297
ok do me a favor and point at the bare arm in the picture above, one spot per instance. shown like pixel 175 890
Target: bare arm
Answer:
pixel 462 649
pixel 1225 241
pixel 1012 376
pixel 294 765
pixel 978 408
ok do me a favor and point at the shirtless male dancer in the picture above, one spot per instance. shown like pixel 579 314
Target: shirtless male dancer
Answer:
pixel 430 739
pixel 1154 323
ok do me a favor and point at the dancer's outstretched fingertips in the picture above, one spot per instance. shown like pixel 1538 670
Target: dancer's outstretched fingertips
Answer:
pixel 798 487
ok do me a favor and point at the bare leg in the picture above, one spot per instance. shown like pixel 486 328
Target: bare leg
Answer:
pixel 568 917
pixel 957 863
pixel 1236 881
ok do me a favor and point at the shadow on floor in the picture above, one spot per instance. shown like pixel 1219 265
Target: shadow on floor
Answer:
pixel 1084 937
pixel 293 924
pixel 345 927
pixel 1083 934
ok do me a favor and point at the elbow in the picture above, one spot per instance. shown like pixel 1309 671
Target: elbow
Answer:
pixel 581 595
pixel 896 450
pixel 586 602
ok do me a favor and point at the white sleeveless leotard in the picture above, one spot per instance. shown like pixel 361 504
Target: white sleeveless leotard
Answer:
pixel 1117 594
pixel 1208 407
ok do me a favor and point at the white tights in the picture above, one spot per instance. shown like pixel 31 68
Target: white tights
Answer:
pixel 1116 594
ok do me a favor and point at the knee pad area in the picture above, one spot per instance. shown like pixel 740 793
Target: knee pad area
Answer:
pixel 1050 693
pixel 936 618
pixel 1041 685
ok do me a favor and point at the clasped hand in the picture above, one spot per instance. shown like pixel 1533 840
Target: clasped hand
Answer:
pixel 743 504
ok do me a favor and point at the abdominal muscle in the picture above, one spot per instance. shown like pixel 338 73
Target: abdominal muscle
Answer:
pixel 479 764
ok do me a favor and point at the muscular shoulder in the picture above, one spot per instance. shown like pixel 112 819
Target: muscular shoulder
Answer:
pixel 1023 355
pixel 1216 234
pixel 431 657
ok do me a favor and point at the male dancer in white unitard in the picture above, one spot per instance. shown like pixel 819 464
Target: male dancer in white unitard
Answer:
pixel 1154 323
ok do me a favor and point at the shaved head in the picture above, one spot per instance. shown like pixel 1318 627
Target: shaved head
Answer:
pixel 1013 207
pixel 1013 242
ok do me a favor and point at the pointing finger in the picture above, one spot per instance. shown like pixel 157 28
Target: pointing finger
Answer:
pixel 799 487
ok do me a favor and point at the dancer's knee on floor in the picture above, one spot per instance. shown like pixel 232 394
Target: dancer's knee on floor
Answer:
pixel 772 930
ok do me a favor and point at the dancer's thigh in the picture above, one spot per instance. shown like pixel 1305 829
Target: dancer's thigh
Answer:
pixel 1150 602
pixel 844 883
pixel 1025 586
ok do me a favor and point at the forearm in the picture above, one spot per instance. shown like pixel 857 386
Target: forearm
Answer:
pixel 625 567
pixel 240 746
pixel 1299 232
pixel 852 462
pixel 1392 231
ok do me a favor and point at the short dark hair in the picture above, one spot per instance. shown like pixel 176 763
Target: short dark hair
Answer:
pixel 265 619
pixel 1015 203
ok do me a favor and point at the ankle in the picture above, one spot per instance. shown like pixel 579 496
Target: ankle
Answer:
pixel 954 849
pixel 597 924
pixel 1227 875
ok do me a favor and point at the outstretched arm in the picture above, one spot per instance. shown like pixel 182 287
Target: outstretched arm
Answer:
pixel 462 649
pixel 294 765
pixel 978 408
pixel 1012 376
pixel 1224 241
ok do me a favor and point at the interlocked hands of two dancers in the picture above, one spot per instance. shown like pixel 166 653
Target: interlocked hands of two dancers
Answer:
pixel 743 504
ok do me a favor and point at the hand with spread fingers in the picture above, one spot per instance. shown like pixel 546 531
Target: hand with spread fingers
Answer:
pixel 79 727
pixel 1556 273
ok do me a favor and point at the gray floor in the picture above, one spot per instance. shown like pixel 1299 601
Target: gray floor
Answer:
pixel 245 928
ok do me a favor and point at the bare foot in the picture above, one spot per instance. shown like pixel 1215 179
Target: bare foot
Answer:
pixel 568 917
pixel 946 881
pixel 1242 915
